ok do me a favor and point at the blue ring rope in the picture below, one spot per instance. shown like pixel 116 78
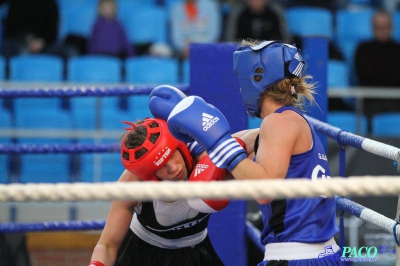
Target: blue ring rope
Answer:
pixel 58 148
pixel 81 91
pixel 394 233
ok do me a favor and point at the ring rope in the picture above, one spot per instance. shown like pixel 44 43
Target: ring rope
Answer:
pixel 234 189
pixel 57 148
pixel 343 204
pixel 347 138
pixel 253 233
pixel 81 91
pixel 366 214
pixel 52 226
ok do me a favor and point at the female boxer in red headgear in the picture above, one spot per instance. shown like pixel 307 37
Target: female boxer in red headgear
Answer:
pixel 160 233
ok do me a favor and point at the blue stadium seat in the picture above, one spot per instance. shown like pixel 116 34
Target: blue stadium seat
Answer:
pixel 84 113
pixel 4 166
pixel 91 68
pixel 108 164
pixel 36 68
pixel 94 68
pixel 45 168
pixel 310 21
pixel 386 124
pixel 396 25
pixel 338 74
pixel 347 120
pixel 77 17
pixel 339 77
pixel 3 65
pixel 353 27
pixel 169 3
pixel 114 111
pixel 145 23
pixel 126 3
pixel 50 167
pixel 111 167
pixel 40 113
pixel 253 122
pixel 152 70
pixel 5 119
pixel 5 123
pixel 112 119
pixel 139 107
pixel 87 167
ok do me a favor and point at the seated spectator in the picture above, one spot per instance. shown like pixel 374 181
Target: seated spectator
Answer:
pixel 108 35
pixel 256 20
pixel 377 64
pixel 30 26
pixel 194 21
pixel 261 20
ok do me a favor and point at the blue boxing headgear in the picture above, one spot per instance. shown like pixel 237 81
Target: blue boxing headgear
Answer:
pixel 278 60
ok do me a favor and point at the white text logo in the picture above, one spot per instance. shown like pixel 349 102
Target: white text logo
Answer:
pixel 165 154
pixel 199 169
pixel 209 121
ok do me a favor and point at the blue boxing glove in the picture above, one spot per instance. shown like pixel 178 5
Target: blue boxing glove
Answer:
pixel 163 99
pixel 193 119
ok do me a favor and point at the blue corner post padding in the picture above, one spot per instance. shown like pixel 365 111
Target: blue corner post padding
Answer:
pixel 212 78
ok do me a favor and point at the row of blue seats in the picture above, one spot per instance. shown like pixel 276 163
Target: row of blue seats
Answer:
pixel 145 21
pixel 95 68
pixel 138 70
pixel 81 113
pixel 85 115
pixel 52 168
pixel 346 27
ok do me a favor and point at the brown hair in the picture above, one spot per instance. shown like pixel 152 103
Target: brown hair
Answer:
pixel 136 137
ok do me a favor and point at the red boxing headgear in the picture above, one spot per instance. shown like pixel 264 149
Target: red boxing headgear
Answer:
pixel 157 154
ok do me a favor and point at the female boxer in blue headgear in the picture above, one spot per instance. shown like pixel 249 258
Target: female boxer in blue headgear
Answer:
pixel 296 231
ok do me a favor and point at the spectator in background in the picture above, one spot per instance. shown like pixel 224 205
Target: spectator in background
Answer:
pixel 377 63
pixel 261 20
pixel 30 26
pixel 255 19
pixel 194 21
pixel 108 35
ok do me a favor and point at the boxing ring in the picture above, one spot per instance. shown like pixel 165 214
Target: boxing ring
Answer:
pixel 222 229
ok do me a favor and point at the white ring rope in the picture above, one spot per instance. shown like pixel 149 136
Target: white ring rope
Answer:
pixel 381 149
pixel 233 189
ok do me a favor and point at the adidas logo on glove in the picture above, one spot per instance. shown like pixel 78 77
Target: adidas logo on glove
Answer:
pixel 199 169
pixel 209 121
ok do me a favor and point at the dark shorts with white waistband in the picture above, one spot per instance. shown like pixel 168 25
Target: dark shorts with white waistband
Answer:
pixel 135 251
